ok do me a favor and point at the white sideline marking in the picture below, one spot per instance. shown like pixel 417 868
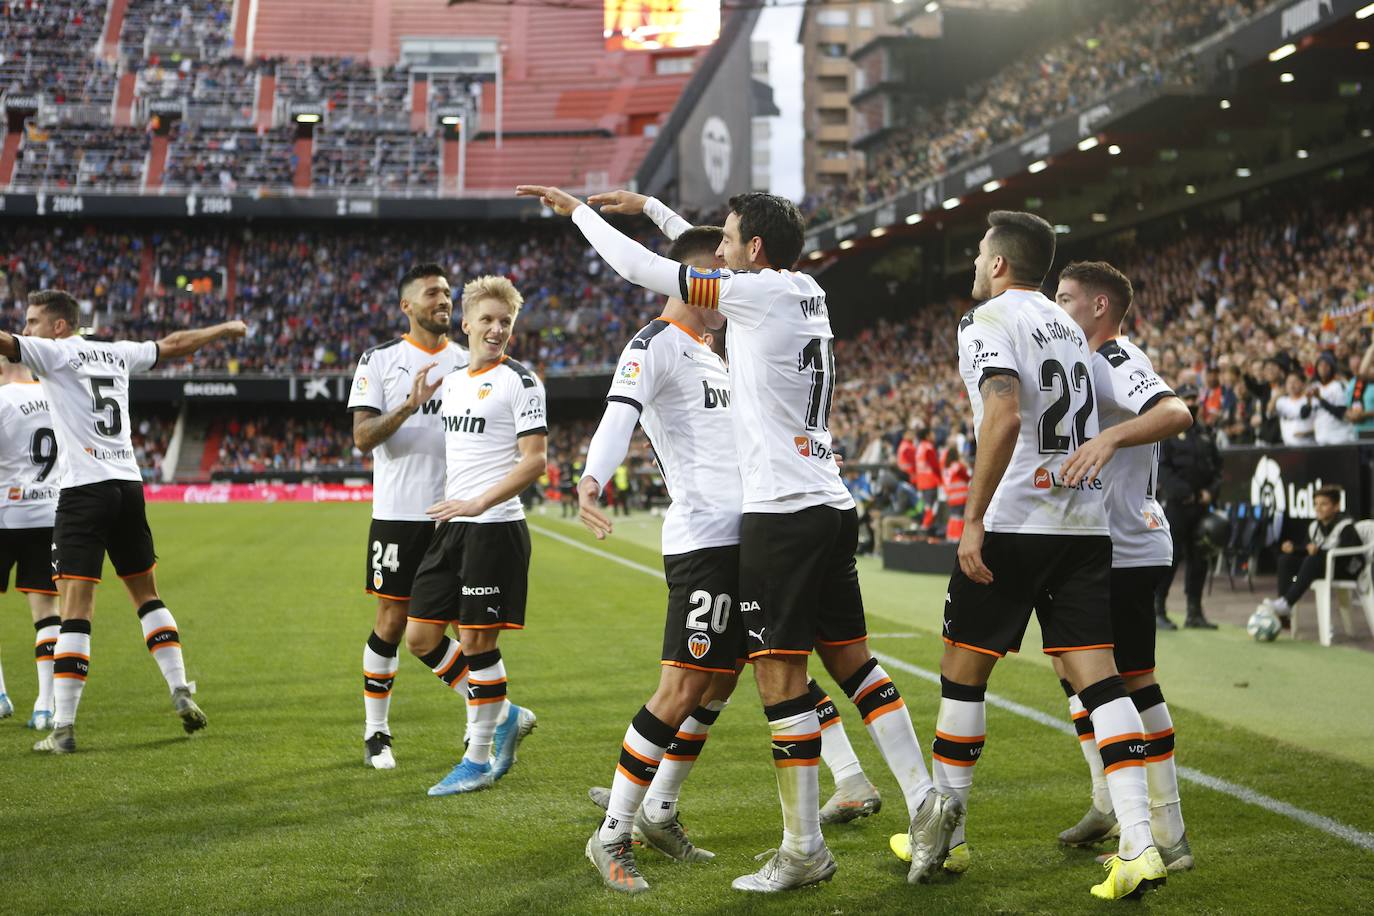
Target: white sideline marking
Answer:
pixel 1241 793
pixel 1225 787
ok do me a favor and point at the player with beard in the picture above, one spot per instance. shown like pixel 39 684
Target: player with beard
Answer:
pixel 396 418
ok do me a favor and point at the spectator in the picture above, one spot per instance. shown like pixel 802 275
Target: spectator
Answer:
pixel 1361 394
pixel 1295 413
pixel 1331 401
pixel 955 481
pixel 1301 565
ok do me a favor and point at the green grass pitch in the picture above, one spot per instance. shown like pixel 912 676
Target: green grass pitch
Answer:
pixel 271 810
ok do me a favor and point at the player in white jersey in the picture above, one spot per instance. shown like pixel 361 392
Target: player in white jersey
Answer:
pixel 1032 540
pixel 100 509
pixel 1136 411
pixel 28 504
pixel 682 399
pixel 475 573
pixel 396 418
pixel 799 586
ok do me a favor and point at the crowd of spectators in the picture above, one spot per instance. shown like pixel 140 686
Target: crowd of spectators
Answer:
pixel 1270 316
pixel 284 441
pixel 81 158
pixel 224 160
pixel 355 93
pixel 1141 41
pixel 186 27
pixel 391 161
pixel 48 47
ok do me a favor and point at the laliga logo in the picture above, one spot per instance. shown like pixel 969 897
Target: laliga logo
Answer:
pixel 1268 491
pixel 1266 486
pixel 698 644
pixel 630 371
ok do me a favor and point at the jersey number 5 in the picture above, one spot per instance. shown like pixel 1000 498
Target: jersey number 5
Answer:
pixel 1053 377
pixel 110 421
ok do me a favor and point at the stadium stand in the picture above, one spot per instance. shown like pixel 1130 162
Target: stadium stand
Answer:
pixel 1131 43
pixel 82 158
pixel 48 49
pixel 570 113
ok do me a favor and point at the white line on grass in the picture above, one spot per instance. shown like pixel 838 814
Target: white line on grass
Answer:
pixel 1241 793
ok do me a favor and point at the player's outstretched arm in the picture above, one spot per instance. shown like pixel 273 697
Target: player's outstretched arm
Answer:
pixel 1167 418
pixel 629 203
pixel 9 347
pixel 371 429
pixel 627 257
pixel 184 343
pixel 996 441
pixel 609 446
pixel 531 466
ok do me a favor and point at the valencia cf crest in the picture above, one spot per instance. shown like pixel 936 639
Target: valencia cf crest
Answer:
pixel 698 644
pixel 484 391
pixel 376 578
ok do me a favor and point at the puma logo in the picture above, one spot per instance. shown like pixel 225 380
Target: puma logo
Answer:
pixel 493 612
pixel 784 749
pixel 759 634
pixel 472 690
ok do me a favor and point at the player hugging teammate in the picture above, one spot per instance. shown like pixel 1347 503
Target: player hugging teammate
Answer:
pixel 1037 539
pixel 462 462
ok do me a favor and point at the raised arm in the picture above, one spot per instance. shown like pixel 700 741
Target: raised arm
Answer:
pixel 997 435
pixel 631 204
pixel 1167 418
pixel 9 347
pixel 626 257
pixel 184 343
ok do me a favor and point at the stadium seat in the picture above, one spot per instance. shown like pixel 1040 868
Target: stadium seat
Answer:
pixel 1332 588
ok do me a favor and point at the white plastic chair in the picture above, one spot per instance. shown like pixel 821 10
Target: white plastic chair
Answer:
pixel 1362 587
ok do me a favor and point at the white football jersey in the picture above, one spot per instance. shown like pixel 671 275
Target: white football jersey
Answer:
pixel 87 386
pixel 485 413
pixel 782 360
pixel 1328 429
pixel 28 458
pixel 1297 419
pixel 1024 334
pixel 408 468
pixel 1126 386
pixel 682 391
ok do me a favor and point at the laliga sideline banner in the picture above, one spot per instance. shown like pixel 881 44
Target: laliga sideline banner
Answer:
pixel 1286 480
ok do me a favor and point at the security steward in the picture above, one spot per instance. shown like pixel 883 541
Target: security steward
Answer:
pixel 1189 476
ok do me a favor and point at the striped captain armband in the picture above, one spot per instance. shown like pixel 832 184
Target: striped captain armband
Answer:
pixel 701 288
